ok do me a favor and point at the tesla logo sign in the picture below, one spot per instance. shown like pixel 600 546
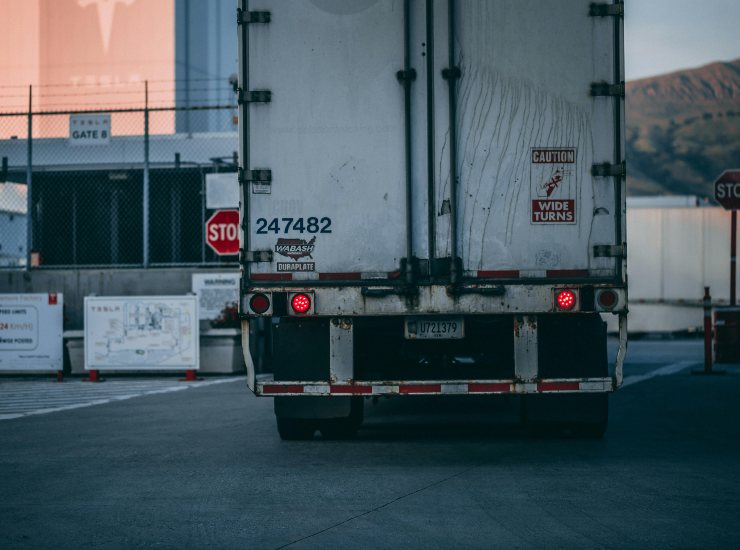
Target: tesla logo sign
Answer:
pixel 106 11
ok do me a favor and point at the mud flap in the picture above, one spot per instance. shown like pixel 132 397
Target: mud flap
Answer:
pixel 579 414
pixel 298 418
pixel 573 345
pixel 313 407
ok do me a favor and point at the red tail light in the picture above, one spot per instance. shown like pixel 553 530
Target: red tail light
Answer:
pixel 607 299
pixel 259 303
pixel 566 300
pixel 301 303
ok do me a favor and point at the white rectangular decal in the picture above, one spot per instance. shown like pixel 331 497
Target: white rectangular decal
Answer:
pixel 31 327
pixel 286 267
pixel 222 190
pixel 141 333
pixel 216 292
pixel 553 186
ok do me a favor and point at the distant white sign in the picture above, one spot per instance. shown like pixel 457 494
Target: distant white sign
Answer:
pixel 31 328
pixel 222 191
pixel 215 291
pixel 141 333
pixel 89 129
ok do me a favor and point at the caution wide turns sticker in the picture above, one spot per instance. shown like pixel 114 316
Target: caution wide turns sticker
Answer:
pixel 553 186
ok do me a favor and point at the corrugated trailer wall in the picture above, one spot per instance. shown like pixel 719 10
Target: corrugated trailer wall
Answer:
pixel 673 254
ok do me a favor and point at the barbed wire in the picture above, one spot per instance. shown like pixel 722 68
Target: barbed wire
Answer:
pixel 115 108
pixel 108 84
pixel 194 103
pixel 201 91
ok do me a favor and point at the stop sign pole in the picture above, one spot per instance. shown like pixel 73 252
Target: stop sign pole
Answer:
pixel 733 258
pixel 727 193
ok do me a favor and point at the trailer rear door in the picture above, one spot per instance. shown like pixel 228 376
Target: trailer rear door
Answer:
pixel 332 136
pixel 528 134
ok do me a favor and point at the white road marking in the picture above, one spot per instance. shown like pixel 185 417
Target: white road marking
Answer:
pixel 32 397
pixel 663 371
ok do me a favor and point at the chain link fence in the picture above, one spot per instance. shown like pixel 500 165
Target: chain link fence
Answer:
pixel 112 188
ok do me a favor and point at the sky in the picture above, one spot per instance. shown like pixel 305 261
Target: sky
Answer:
pixel 662 36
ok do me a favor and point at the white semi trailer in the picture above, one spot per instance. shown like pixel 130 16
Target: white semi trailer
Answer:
pixel 432 203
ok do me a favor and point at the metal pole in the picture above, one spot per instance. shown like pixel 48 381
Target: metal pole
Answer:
pixel 431 125
pixel 733 259
pixel 243 130
pixel 145 190
pixel 707 331
pixel 406 81
pixel 29 180
pixel 202 215
pixel 452 77
pixel 186 9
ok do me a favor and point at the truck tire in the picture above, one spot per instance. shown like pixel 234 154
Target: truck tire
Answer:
pixel 575 415
pixel 345 427
pixel 296 429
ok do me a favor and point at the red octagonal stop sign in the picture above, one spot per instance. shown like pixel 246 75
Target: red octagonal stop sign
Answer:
pixel 727 189
pixel 222 232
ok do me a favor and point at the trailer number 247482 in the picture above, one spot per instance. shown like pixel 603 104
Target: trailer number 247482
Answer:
pixel 299 225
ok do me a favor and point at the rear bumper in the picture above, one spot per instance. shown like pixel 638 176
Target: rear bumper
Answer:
pixel 528 376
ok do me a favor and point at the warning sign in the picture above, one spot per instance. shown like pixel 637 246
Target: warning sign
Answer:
pixel 553 185
pixel 554 211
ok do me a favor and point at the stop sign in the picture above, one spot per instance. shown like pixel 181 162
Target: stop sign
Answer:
pixel 222 232
pixel 727 189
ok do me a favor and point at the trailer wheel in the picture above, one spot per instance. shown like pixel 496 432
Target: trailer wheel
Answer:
pixel 296 429
pixel 345 427
pixel 575 415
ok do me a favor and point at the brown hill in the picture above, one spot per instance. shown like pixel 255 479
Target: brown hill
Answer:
pixel 683 129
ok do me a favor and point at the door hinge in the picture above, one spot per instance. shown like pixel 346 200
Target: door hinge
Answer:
pixel 254 96
pixel 406 77
pixel 261 175
pixel 607 170
pixel 610 250
pixel 451 74
pixel 604 89
pixel 256 256
pixel 606 10
pixel 247 17
pixel 261 180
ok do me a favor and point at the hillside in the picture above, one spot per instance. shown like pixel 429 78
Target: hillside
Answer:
pixel 683 129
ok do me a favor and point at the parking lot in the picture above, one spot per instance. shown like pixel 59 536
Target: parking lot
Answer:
pixel 138 462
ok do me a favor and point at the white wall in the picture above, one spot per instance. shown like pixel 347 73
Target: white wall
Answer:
pixel 673 253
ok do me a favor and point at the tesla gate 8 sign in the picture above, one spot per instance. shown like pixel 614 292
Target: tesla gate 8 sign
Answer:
pixel 222 232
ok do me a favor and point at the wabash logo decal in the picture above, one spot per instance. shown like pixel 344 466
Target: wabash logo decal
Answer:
pixel 295 248
pixel 553 185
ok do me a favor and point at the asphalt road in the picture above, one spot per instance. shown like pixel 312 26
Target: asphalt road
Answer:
pixel 205 468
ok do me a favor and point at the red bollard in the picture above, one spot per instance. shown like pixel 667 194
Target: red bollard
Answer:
pixel 190 376
pixel 94 376
pixel 708 337
pixel 60 376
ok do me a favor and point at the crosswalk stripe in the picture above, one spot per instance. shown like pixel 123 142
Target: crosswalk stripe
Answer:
pixel 26 398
